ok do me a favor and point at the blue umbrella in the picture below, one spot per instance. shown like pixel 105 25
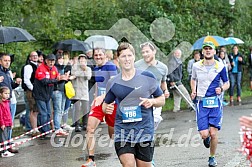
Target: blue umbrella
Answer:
pixel 234 41
pixel 217 40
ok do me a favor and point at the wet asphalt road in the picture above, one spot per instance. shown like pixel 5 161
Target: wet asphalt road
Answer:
pixel 177 145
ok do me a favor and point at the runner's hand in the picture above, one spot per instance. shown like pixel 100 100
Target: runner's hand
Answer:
pixel 110 108
pixel 147 103
pixel 218 90
pixel 193 95
pixel 166 94
pixel 3 127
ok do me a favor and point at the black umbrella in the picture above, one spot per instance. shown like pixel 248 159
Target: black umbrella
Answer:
pixel 72 45
pixel 14 34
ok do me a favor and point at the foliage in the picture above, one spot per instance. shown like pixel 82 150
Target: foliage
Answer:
pixel 53 20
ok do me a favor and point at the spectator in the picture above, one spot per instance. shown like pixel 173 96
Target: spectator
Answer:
pixel 67 65
pixel 59 97
pixel 46 76
pixel 6 80
pixel 6 123
pixel 27 109
pixel 41 56
pixel 196 57
pixel 175 69
pixel 235 74
pixel 28 74
pixel 82 73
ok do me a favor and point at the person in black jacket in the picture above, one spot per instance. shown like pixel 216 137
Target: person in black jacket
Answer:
pixel 59 97
pixel 235 74
pixel 28 75
pixel 175 68
pixel 6 80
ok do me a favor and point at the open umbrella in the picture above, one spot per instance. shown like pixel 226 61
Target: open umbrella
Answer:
pixel 102 41
pixel 234 41
pixel 14 34
pixel 72 45
pixel 217 40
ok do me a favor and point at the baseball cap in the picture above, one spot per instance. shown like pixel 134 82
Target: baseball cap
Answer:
pixel 82 55
pixel 208 43
pixel 51 57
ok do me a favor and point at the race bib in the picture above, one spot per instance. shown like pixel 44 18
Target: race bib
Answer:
pixel 131 114
pixel 210 102
pixel 101 91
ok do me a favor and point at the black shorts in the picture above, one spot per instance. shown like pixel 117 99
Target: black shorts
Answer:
pixel 143 151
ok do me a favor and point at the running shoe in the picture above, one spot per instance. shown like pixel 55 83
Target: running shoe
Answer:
pixel 212 162
pixel 153 163
pixel 89 163
pixel 207 142
pixel 7 154
pixel 225 103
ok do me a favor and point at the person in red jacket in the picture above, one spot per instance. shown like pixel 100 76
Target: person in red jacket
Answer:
pixel 46 76
pixel 5 118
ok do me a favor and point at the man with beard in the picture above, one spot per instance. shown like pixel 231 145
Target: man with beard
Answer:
pixel 160 71
pixel 206 90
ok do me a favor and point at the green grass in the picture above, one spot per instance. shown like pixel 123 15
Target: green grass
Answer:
pixel 17 131
pixel 169 102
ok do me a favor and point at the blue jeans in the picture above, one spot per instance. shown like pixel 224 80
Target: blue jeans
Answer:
pixel 66 109
pixel 59 100
pixel 27 114
pixel 45 114
pixel 235 78
pixel 13 108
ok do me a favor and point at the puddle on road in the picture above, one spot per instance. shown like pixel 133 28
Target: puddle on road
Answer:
pixel 101 156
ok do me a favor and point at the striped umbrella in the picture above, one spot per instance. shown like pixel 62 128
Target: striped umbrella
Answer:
pixel 234 41
pixel 217 40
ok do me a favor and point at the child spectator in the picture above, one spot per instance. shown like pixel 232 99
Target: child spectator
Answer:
pixel 5 118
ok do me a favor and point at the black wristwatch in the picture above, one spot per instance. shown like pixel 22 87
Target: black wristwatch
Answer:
pixel 221 89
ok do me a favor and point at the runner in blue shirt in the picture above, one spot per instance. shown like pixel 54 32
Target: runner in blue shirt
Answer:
pixel 136 93
pixel 205 85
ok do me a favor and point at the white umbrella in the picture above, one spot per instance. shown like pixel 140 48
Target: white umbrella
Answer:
pixel 102 41
pixel 234 41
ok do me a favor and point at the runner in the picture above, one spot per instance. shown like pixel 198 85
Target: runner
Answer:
pixel 104 70
pixel 205 85
pixel 136 93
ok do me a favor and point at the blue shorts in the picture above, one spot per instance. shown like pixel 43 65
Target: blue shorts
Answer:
pixel 207 117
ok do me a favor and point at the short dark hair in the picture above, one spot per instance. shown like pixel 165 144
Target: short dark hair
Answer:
pixel 124 46
pixel 3 54
pixel 102 49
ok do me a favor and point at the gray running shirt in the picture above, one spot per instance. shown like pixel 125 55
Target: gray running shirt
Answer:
pixel 160 70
